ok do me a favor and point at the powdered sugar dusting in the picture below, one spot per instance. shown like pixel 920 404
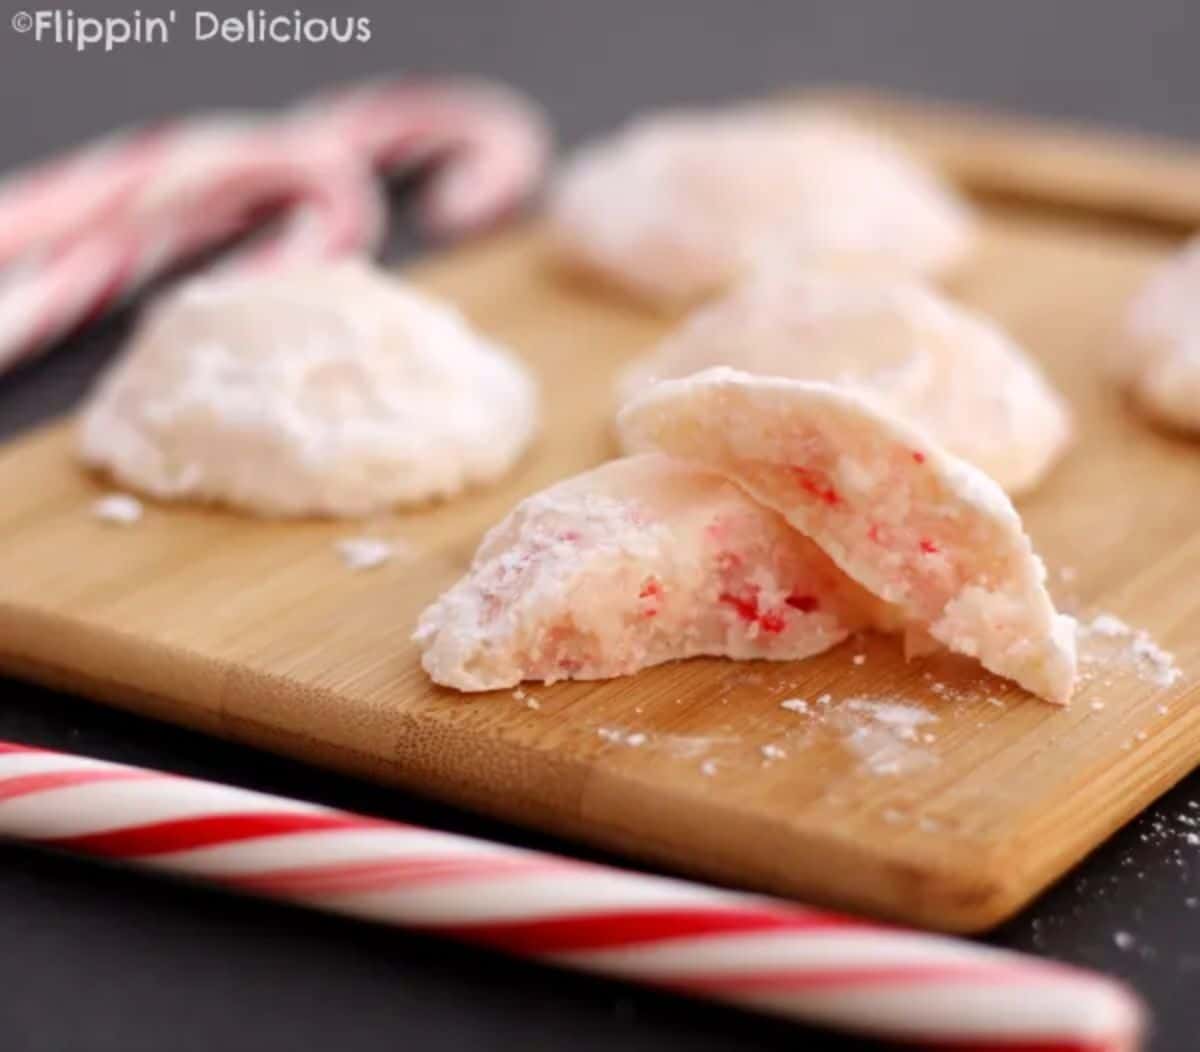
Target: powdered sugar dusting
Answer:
pixel 884 735
pixel 1110 643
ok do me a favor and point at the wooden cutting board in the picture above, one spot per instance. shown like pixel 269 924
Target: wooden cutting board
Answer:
pixel 257 632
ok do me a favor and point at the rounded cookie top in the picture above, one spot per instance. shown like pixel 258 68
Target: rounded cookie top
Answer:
pixel 677 205
pixel 908 349
pixel 322 390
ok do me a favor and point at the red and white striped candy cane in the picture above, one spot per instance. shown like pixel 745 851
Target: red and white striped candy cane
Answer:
pixel 755 952
pixel 81 235
pixel 491 143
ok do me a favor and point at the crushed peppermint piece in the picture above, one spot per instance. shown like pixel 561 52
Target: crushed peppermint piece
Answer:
pixel 118 508
pixel 364 553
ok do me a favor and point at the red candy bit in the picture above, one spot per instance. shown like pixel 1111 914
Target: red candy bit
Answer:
pixel 570 536
pixel 918 456
pixel 772 622
pixel 817 484
pixel 806 604
pixel 652 591
pixel 928 547
pixel 875 533
pixel 746 606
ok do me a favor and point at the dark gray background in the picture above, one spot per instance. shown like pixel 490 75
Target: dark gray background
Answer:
pixel 95 959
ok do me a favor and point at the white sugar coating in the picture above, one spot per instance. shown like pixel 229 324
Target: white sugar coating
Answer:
pixel 118 508
pixel 794 705
pixel 676 205
pixel 916 526
pixel 1158 360
pixel 364 553
pixel 913 352
pixel 773 752
pixel 328 390
pixel 640 561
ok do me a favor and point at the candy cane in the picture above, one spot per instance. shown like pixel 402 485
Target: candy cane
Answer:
pixel 751 951
pixel 492 143
pixel 81 235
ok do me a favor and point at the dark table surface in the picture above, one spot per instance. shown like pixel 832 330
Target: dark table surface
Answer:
pixel 98 959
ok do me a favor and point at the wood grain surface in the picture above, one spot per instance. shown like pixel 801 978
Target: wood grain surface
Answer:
pixel 257 632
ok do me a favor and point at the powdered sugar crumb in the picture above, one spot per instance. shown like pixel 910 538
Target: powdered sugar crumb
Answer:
pixel 120 509
pixel 364 553
pixel 617 736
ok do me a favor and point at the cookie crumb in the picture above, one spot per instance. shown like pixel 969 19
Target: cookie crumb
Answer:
pixel 118 508
pixel 364 553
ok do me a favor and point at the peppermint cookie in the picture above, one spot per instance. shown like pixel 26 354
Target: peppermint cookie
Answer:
pixel 677 206
pixel 1158 360
pixel 914 525
pixel 641 561
pixel 909 350
pixel 329 390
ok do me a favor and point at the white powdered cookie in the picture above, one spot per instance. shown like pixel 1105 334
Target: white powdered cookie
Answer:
pixel 677 206
pixel 640 561
pixel 913 524
pixel 326 390
pixel 911 351
pixel 1159 357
